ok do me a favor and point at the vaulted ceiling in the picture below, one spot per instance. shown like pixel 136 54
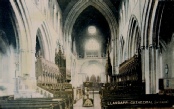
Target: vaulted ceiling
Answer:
pixel 80 33
pixel 64 3
pixel 89 16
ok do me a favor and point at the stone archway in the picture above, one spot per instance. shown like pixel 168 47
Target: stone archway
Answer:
pixel 151 45
pixel 25 67
pixel 161 43
pixel 133 45
pixel 106 12
pixel 134 38
pixel 39 45
pixel 43 43
pixel 25 52
pixel 89 67
pixel 83 4
pixel 10 44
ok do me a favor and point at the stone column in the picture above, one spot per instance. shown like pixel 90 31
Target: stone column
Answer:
pixel 27 74
pixel 152 68
pixel 147 76
pixel 16 82
pixel 143 62
pixel 22 65
pixel 114 57
pixel 157 69
pixel 33 70
pixel 31 82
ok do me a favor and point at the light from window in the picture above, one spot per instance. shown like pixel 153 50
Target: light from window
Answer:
pixel 92 29
pixel 92 45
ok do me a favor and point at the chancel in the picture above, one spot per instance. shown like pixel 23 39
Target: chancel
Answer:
pixel 49 50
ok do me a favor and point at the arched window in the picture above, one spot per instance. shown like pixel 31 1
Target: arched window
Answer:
pixel 92 45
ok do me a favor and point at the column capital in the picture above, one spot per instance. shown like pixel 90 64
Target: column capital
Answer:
pixel 22 50
pixel 152 46
pixel 142 47
pixel 25 50
pixel 158 47
pixel 32 51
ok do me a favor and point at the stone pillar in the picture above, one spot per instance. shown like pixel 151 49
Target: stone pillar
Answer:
pixel 68 56
pixel 157 70
pixel 114 57
pixel 152 68
pixel 76 76
pixel 26 80
pixel 16 83
pixel 143 62
pixel 147 76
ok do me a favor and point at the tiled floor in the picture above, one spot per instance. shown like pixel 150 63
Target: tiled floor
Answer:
pixel 97 105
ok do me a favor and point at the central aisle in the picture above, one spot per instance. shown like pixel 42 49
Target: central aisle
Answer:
pixel 97 105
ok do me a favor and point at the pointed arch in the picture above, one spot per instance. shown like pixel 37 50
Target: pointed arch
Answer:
pixel 45 42
pixel 48 41
pixel 103 8
pixel 82 5
pixel 134 38
pixel 22 24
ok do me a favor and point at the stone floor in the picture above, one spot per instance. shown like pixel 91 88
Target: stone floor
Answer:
pixel 97 105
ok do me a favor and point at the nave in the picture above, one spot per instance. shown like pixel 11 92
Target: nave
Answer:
pixel 49 48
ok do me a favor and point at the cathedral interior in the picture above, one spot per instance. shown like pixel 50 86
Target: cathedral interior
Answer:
pixel 104 54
